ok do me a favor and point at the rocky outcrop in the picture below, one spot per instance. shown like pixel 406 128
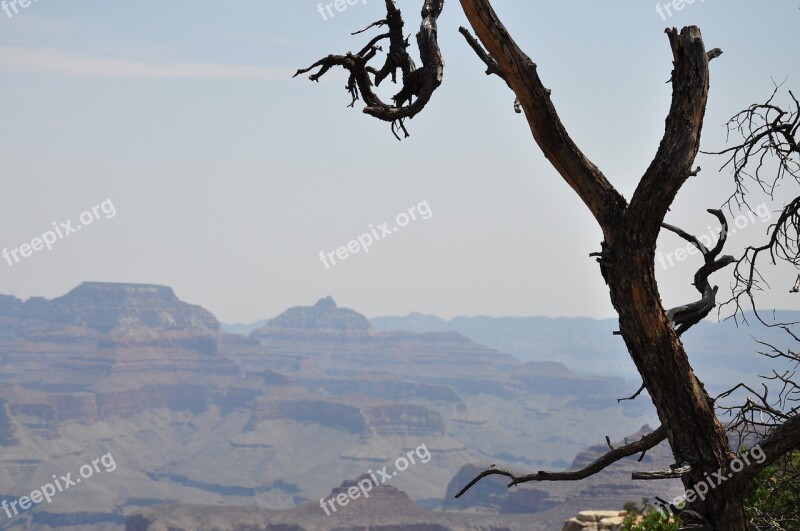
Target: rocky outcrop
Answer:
pixel 321 412
pixel 596 521
pixel 104 306
pixel 402 419
pixel 322 318
pixel 105 350
pixel 341 342
pixel 385 508
pixel 385 420
pixel 197 415
pixel 121 334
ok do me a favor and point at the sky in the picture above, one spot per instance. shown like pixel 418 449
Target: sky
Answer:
pixel 175 136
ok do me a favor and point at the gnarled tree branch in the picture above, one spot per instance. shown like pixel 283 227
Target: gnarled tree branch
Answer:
pixel 768 131
pixel 687 315
pixel 672 164
pixel 418 85
pixel 519 71
pixel 642 445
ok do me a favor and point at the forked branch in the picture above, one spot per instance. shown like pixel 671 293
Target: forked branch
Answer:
pixel 783 244
pixel 768 153
pixel 520 73
pixel 685 316
pixel 672 164
pixel 768 131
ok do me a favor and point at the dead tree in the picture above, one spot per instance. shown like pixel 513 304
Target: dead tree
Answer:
pixel 769 134
pixel 630 228
pixel 766 155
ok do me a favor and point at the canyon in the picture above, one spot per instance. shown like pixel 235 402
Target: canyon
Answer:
pixel 260 427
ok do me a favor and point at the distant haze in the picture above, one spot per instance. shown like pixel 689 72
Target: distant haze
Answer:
pixel 228 177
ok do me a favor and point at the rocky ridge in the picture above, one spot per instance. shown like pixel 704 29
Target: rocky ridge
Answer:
pixel 197 415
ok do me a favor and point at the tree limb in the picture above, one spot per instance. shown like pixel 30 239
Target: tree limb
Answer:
pixel 671 473
pixel 645 443
pixel 520 73
pixel 783 244
pixel 634 395
pixel 672 164
pixel 416 83
pixel 780 440
pixel 492 68
pixel 688 315
pixel 768 131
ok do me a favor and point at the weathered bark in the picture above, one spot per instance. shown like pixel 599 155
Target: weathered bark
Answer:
pixel 519 72
pixel 685 409
pixel 418 84
pixel 641 446
pixel 651 334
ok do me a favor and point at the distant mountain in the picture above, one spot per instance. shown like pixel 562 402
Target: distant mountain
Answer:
pixel 322 318
pixel 195 415
pixel 104 306
pixel 584 345
pixel 242 329
pixel 107 338
pixel 722 354
pixel 323 315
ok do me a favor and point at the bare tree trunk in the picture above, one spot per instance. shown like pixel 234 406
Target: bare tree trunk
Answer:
pixel 630 230
pixel 685 409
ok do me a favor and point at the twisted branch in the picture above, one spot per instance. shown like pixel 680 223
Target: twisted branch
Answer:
pixel 642 445
pixel 418 85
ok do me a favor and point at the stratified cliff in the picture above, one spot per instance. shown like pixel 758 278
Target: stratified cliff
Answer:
pixel 194 415
pixel 386 509
pixel 324 318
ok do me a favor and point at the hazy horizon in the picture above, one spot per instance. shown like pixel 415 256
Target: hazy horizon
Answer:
pixel 228 178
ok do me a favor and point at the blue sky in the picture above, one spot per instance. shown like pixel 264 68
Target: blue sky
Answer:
pixel 228 177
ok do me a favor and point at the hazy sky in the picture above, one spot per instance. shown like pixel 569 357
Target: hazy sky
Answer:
pixel 224 178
